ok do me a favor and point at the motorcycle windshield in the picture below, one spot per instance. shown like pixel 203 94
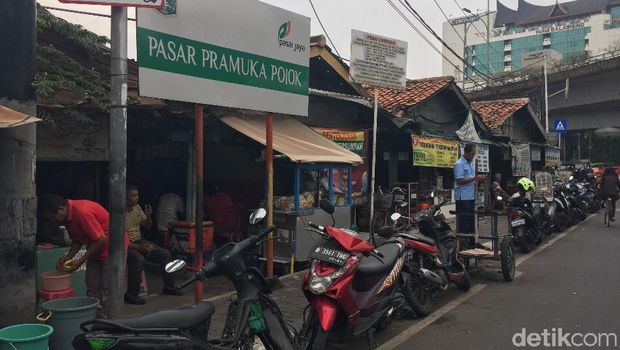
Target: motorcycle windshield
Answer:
pixel 353 243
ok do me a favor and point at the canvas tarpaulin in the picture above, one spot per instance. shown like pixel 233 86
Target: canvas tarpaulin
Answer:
pixel 10 118
pixel 294 139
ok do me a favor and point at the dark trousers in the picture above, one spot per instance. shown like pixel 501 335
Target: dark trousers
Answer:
pixel 135 266
pixel 465 219
pixel 97 284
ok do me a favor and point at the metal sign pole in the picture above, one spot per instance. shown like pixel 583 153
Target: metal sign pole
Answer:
pixel 199 132
pixel 118 160
pixel 269 165
pixel 374 164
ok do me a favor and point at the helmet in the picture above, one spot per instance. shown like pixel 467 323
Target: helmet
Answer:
pixel 526 184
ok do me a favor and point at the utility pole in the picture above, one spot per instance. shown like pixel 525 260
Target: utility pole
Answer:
pixel 118 159
pixel 464 53
pixel 546 93
pixel 18 202
pixel 488 43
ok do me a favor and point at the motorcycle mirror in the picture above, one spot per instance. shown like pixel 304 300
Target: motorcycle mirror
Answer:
pixel 174 266
pixel 394 217
pixel 327 206
pixel 257 215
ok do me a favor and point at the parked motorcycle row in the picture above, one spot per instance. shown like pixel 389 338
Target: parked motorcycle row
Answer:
pixel 533 218
pixel 353 287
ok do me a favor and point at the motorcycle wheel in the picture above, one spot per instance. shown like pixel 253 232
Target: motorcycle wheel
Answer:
pixel 420 299
pixel 311 335
pixel 561 221
pixel 522 240
pixel 464 283
pixel 507 259
pixel 539 236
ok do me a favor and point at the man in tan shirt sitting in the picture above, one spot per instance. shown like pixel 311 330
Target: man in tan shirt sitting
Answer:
pixel 141 249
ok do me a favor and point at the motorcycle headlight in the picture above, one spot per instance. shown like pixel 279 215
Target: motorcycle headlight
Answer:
pixel 320 284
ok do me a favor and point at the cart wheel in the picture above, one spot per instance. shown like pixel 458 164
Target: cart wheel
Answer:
pixel 507 259
pixel 464 283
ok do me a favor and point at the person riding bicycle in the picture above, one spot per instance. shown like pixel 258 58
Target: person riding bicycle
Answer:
pixel 609 189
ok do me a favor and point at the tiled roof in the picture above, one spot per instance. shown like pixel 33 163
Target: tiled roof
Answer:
pixel 495 113
pixel 416 92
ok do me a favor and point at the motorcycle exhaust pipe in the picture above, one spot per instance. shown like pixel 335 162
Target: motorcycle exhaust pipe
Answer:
pixel 432 277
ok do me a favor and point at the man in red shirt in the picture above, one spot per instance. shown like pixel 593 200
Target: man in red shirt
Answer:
pixel 219 208
pixel 88 224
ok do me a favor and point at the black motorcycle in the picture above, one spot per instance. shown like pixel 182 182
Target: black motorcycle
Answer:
pixel 525 229
pixel 253 314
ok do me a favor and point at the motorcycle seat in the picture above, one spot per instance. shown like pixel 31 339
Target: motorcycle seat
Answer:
pixel 179 318
pixel 372 266
pixel 422 238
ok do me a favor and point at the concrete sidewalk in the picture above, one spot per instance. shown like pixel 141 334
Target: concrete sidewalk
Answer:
pixel 220 291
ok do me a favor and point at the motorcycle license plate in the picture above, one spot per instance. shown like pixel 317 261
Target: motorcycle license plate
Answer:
pixel 518 222
pixel 329 255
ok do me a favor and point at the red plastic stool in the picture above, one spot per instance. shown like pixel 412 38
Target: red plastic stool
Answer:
pixel 59 294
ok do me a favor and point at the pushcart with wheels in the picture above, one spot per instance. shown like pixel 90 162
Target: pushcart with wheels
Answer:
pixel 501 246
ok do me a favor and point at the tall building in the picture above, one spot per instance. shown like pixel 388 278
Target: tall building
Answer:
pixel 517 37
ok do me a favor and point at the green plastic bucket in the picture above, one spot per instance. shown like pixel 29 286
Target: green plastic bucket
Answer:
pixel 66 315
pixel 25 337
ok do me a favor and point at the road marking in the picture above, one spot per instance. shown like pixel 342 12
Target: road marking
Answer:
pixel 418 326
pixel 550 242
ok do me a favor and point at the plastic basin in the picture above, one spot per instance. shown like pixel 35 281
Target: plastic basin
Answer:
pixel 25 336
pixel 54 281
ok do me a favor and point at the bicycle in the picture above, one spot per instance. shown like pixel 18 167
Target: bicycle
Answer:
pixel 387 203
pixel 608 210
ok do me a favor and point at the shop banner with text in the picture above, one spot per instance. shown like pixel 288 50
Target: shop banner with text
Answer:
pixel 552 157
pixel 434 151
pixel 521 159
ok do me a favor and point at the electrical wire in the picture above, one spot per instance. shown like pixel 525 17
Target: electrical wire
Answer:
pixel 323 27
pixel 477 30
pixel 408 21
pixel 420 19
pixel 455 30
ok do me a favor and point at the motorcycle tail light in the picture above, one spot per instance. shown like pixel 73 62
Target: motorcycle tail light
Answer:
pixel 514 215
pixel 322 277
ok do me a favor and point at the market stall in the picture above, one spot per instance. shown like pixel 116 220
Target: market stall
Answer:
pixel 308 168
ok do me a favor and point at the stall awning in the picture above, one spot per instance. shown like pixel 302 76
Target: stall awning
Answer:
pixel 10 118
pixel 294 139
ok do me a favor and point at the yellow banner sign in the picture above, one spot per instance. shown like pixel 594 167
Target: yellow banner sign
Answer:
pixel 434 152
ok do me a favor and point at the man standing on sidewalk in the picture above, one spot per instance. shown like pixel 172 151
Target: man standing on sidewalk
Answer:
pixel 140 249
pixel 465 191
pixel 87 223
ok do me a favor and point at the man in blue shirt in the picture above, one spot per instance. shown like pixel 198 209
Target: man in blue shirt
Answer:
pixel 465 190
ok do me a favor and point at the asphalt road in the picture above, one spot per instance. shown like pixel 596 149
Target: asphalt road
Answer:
pixel 571 282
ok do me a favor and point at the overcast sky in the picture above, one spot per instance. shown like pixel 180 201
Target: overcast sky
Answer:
pixel 338 17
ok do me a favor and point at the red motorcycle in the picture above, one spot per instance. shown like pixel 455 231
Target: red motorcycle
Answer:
pixel 432 261
pixel 352 287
